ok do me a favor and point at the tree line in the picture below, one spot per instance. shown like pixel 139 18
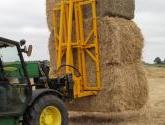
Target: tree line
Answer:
pixel 158 60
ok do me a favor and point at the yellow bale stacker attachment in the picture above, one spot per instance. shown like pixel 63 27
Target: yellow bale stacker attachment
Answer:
pixel 73 45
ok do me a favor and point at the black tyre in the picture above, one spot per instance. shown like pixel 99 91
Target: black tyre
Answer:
pixel 47 110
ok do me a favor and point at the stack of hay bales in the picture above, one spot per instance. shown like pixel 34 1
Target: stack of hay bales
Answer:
pixel 123 76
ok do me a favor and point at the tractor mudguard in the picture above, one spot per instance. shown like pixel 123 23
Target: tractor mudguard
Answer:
pixel 41 92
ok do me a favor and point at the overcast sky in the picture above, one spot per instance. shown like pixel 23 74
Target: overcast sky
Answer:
pixel 26 19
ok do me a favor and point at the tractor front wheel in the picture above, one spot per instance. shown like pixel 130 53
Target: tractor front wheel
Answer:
pixel 47 110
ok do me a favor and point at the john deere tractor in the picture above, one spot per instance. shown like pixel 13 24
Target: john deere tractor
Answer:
pixel 27 95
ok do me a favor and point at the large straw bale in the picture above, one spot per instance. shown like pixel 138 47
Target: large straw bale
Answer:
pixel 115 8
pixel 120 8
pixel 124 88
pixel 120 40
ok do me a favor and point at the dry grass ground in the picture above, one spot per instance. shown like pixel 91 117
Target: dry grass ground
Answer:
pixel 155 113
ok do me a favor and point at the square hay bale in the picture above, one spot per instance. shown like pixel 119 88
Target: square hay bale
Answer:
pixel 121 41
pixel 124 88
pixel 115 8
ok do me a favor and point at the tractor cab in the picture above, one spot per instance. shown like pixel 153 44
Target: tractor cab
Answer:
pixel 14 82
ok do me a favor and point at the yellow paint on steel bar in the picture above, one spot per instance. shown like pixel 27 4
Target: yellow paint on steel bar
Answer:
pixel 59 54
pixel 71 16
pixel 69 40
pixel 97 44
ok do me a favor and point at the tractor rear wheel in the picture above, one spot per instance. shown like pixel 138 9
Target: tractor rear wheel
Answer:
pixel 47 110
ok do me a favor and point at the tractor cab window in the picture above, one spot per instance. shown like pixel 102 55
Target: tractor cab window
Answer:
pixel 11 65
pixel 12 90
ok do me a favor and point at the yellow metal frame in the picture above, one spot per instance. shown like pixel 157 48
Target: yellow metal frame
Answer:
pixel 68 14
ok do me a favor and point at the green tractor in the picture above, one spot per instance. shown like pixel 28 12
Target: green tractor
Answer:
pixel 27 95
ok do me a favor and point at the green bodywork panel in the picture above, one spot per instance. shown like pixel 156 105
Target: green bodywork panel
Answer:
pixel 14 69
pixel 8 121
